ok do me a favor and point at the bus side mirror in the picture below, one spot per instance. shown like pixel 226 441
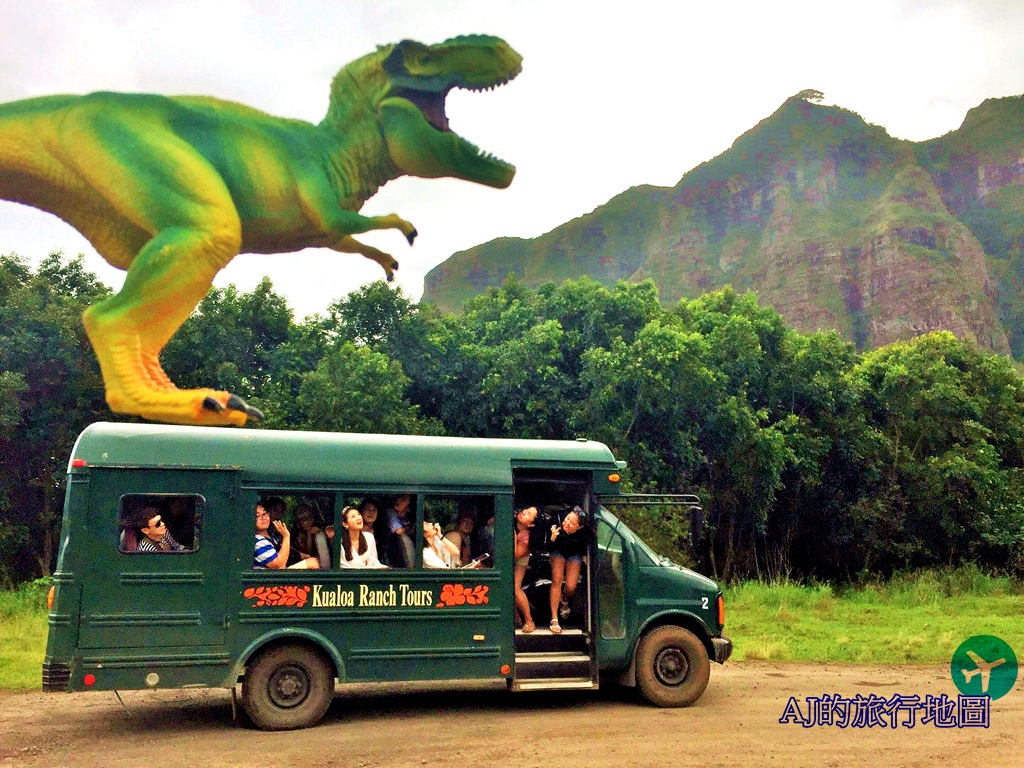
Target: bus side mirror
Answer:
pixel 696 527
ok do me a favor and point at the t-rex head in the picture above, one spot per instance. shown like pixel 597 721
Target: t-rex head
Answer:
pixel 407 88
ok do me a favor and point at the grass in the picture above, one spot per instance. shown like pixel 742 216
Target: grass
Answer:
pixel 911 619
pixel 23 636
pixel 918 618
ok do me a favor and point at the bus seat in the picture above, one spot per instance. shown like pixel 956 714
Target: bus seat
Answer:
pixel 129 539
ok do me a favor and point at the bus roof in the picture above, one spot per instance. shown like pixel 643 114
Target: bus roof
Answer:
pixel 333 457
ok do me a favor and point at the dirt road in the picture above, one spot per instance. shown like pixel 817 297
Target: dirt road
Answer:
pixel 736 723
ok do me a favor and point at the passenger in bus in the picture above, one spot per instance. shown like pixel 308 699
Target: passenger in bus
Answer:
pixel 369 508
pixel 181 520
pixel 461 534
pixel 276 507
pixel 266 555
pixel 358 548
pixel 568 545
pixel 400 549
pixel 483 543
pixel 153 533
pixel 525 519
pixel 309 539
pixel 438 552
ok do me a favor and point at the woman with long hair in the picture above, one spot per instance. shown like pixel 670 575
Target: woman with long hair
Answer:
pixel 370 508
pixel 358 548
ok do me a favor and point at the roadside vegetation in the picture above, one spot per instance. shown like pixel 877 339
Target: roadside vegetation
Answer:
pixel 917 618
pixel 23 635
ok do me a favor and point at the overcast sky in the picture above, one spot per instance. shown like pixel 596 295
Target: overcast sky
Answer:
pixel 612 94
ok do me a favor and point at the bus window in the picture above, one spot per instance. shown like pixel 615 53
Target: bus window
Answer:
pixel 461 534
pixel 398 530
pixel 611 589
pixel 309 518
pixel 159 523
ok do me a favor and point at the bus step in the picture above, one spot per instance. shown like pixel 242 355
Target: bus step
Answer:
pixel 554 684
pixel 546 641
pixel 552 666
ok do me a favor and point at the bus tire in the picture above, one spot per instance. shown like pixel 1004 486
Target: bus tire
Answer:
pixel 287 687
pixel 672 667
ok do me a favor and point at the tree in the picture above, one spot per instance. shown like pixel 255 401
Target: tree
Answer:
pixel 355 389
pixel 809 94
pixel 51 389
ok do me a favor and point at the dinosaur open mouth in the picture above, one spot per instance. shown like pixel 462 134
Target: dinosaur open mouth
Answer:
pixel 430 103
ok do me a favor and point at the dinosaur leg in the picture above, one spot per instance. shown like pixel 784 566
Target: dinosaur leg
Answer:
pixel 167 278
pixel 349 244
pixel 159 184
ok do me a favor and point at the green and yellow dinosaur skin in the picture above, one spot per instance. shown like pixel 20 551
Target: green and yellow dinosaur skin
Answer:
pixel 172 188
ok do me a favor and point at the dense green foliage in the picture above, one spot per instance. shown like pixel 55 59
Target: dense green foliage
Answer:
pixel 813 460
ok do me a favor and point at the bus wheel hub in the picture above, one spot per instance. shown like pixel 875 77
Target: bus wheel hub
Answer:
pixel 671 666
pixel 288 687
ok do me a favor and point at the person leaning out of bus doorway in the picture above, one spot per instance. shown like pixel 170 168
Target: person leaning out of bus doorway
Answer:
pixel 153 533
pixel 525 519
pixel 568 545
pixel 358 548
pixel 266 554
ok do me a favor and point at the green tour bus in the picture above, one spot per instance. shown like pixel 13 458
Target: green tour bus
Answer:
pixel 157 585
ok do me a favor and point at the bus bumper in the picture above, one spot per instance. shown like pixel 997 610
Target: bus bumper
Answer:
pixel 56 676
pixel 723 648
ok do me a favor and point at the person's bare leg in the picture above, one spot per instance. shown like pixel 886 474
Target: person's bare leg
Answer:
pixel 557 579
pixel 522 603
pixel 572 580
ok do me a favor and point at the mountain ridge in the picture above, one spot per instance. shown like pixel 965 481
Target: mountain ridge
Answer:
pixel 829 218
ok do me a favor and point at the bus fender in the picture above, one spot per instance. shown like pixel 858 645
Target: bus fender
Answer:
pixel 677 618
pixel 289 633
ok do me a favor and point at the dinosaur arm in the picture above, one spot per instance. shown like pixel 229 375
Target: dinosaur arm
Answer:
pixel 349 244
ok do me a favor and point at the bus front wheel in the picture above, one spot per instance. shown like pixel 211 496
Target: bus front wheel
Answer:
pixel 287 687
pixel 672 667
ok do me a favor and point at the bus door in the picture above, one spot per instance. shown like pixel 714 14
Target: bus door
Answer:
pixel 563 657
pixel 141 593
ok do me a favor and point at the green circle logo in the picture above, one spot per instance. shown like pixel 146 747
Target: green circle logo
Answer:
pixel 984 665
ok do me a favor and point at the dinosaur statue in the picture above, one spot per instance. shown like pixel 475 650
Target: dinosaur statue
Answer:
pixel 172 188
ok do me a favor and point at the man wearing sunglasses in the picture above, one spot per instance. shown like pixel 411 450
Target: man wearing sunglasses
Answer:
pixel 154 534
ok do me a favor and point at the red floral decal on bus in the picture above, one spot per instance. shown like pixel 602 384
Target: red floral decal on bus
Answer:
pixel 456 594
pixel 296 596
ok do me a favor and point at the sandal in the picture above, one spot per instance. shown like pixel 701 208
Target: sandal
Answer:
pixel 528 627
pixel 563 610
pixel 555 628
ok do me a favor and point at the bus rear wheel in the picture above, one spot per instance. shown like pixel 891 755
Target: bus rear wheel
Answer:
pixel 287 687
pixel 672 667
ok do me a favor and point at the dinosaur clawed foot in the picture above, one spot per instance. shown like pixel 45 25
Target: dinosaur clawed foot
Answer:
pixel 206 407
pixel 234 403
pixel 410 237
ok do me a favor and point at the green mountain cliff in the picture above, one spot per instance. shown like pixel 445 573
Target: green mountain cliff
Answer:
pixel 827 217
